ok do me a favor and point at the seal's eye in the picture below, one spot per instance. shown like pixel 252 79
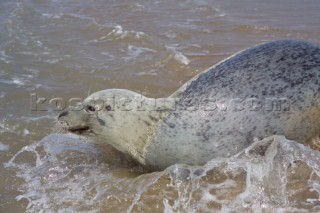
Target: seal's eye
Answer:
pixel 90 108
pixel 108 108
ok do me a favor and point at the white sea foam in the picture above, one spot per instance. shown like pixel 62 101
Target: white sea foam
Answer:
pixel 119 33
pixel 67 174
pixel 25 132
pixel 4 57
pixel 177 55
pixel 54 16
pixel 135 52
pixel 148 72
pixel 181 58
pixel 16 81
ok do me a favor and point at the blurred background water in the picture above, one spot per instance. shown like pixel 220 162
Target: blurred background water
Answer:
pixel 68 49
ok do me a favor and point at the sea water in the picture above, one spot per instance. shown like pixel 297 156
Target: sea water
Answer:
pixel 54 52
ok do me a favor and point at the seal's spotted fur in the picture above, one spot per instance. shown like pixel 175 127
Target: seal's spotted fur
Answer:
pixel 269 89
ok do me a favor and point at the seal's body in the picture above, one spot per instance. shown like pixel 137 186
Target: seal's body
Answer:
pixel 269 89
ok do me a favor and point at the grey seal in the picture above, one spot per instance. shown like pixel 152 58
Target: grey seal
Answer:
pixel 269 89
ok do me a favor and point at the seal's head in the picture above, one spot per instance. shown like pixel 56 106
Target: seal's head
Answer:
pixel 122 117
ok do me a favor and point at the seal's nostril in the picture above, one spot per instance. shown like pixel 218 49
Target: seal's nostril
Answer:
pixel 64 113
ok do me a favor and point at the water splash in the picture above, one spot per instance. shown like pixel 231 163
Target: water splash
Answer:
pixel 272 174
pixel 68 173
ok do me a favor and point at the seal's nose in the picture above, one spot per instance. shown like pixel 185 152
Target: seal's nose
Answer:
pixel 64 113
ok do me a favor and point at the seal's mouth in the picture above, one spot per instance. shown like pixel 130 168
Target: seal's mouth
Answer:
pixel 79 130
